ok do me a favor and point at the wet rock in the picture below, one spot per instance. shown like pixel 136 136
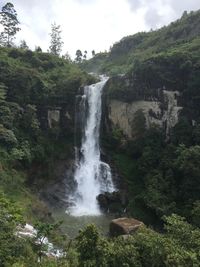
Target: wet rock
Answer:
pixel 124 226
pixel 56 193
pixel 111 202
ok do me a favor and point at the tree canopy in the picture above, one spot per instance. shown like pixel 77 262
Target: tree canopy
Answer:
pixel 10 23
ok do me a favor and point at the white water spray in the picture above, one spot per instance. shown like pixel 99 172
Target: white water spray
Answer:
pixel 92 175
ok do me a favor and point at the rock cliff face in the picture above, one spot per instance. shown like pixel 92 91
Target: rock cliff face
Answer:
pixel 57 117
pixel 122 114
pixel 162 108
pixel 53 117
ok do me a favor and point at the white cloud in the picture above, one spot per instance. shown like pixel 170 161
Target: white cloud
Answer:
pixel 94 24
pixel 161 12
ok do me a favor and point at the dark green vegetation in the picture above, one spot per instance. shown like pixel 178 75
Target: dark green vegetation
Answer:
pixel 125 54
pixel 32 83
pixel 178 246
pixel 162 178
pixel 162 175
pixel 10 24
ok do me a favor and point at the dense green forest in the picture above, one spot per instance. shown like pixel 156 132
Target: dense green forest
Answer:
pixel 161 174
pixel 31 83
pixel 180 36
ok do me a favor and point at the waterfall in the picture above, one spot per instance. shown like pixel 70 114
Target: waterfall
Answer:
pixel 92 175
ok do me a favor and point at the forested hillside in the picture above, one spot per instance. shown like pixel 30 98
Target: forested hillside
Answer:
pixel 157 164
pixel 31 84
pixel 160 162
pixel 181 35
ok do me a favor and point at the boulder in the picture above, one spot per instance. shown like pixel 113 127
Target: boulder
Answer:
pixel 111 202
pixel 124 226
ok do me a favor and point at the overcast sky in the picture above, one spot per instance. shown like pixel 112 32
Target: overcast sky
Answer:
pixel 93 24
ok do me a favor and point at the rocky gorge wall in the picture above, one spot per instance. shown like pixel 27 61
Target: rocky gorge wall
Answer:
pixel 54 177
pixel 164 114
pixel 160 107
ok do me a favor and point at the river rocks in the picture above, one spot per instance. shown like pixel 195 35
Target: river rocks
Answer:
pixel 28 231
pixel 124 226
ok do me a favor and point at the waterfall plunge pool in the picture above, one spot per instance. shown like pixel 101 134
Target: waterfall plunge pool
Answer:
pixel 72 224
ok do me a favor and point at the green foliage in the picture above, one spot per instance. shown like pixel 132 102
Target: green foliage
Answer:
pixel 33 78
pixel 182 232
pixel 139 124
pixel 95 64
pixel 30 121
pixel 44 230
pixel 7 137
pixel 162 178
pixel 187 164
pixel 10 24
pixel 178 246
pixel 30 83
pixel 79 56
pixel 2 92
pixel 125 54
pixel 196 213
pixel 117 135
pixel 22 153
pixel 92 248
pixel 124 253
pixel 56 41
pixel 23 45
pixel 160 250
pixel 10 245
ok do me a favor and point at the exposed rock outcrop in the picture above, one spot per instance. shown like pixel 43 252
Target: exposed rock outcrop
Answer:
pixel 163 113
pixel 53 117
pixel 56 193
pixel 124 226
pixel 114 202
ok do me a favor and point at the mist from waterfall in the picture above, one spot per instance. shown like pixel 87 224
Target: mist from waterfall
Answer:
pixel 92 175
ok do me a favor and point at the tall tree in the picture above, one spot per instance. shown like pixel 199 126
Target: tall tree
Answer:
pixel 79 55
pixel 56 40
pixel 10 23
pixel 23 45
pixel 85 54
pixel 67 57
pixel 38 49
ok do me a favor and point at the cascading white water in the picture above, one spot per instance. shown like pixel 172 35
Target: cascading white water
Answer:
pixel 92 175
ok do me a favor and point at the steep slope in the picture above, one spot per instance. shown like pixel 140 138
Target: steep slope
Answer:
pixel 151 118
pixel 37 98
pixel 141 46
